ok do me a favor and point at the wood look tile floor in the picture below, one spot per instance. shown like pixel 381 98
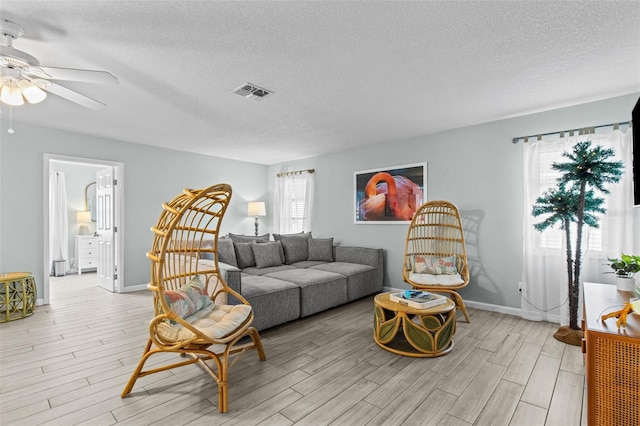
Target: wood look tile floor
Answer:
pixel 68 363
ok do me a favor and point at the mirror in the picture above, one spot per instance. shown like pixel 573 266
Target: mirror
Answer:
pixel 90 200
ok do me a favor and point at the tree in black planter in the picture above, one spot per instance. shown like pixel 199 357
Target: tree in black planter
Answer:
pixel 574 201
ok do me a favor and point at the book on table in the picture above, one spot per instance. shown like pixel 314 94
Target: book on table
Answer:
pixel 418 299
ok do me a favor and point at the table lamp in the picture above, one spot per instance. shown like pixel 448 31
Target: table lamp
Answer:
pixel 256 208
pixel 83 217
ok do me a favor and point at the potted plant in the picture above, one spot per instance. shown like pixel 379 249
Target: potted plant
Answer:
pixel 624 268
pixel 574 202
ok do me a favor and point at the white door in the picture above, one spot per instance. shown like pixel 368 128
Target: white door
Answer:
pixel 106 228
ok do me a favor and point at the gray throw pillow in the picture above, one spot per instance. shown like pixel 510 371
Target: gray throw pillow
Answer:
pixel 281 252
pixel 226 252
pixel 266 254
pixel 277 236
pixel 206 244
pixel 296 248
pixel 248 238
pixel 244 255
pixel 321 249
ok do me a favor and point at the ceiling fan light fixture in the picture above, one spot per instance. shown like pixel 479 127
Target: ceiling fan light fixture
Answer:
pixel 31 92
pixel 26 79
pixel 11 95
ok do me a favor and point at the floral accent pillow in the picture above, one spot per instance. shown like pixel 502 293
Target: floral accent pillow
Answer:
pixel 188 299
pixel 434 265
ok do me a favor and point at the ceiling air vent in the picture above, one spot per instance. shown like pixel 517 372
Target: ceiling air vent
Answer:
pixel 251 91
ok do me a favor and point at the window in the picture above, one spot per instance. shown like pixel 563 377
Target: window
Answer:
pixel 297 204
pixel 548 178
pixel 544 297
pixel 293 202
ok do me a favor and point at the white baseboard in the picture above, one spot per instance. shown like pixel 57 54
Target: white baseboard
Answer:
pixel 494 308
pixel 132 288
pixel 477 305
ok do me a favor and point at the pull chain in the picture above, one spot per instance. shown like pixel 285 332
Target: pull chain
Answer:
pixel 10 131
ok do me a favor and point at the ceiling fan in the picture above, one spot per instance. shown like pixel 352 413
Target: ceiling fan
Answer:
pixel 22 76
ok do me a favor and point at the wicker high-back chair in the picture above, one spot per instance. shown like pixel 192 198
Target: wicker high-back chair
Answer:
pixel 435 255
pixel 192 318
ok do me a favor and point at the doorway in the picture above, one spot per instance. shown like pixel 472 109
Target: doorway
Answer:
pixel 82 173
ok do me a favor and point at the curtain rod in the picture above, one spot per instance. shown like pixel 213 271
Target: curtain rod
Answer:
pixel 582 131
pixel 295 172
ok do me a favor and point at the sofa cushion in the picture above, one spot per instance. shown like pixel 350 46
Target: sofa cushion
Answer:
pixel 283 259
pixel 307 263
pixel 320 249
pixel 255 285
pixel 236 238
pixel 343 268
pixel 266 254
pixel 226 252
pixel 204 244
pixel 319 290
pixel 253 270
pixel 361 255
pixel 191 247
pixel 273 301
pixel 295 248
pixel 244 255
pixel 277 236
pixel 361 279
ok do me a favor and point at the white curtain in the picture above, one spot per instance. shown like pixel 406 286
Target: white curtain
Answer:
pixel 544 290
pixel 293 202
pixel 58 221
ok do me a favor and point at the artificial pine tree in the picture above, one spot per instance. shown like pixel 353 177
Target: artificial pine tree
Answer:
pixel 574 201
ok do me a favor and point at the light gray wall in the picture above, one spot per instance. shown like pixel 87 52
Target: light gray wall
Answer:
pixel 152 176
pixel 478 168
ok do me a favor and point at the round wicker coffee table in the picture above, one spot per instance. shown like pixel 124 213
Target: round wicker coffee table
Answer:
pixel 425 332
pixel 17 295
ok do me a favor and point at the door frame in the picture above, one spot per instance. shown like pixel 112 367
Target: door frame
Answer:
pixel 118 216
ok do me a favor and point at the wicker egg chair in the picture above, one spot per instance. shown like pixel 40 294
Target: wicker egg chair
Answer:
pixel 192 318
pixel 435 255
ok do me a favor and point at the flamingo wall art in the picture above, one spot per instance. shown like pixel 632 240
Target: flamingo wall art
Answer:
pixel 389 195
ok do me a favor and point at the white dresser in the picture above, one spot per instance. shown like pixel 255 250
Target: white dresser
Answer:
pixel 86 252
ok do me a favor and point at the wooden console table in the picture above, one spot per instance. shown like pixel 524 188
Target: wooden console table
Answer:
pixel 17 295
pixel 612 358
pixel 427 332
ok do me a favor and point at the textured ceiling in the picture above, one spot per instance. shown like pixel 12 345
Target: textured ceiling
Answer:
pixel 345 74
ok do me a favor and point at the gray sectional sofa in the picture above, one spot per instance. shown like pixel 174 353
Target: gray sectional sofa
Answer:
pixel 296 275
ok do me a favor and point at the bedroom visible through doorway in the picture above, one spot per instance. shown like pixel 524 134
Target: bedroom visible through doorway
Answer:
pixel 93 218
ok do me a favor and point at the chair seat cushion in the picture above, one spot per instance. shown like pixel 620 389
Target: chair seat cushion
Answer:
pixel 443 280
pixel 215 321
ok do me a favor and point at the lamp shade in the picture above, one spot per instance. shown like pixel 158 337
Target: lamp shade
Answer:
pixel 11 95
pixel 256 208
pixel 83 216
pixel 31 92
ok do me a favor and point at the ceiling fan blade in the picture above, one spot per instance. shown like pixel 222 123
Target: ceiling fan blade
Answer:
pixel 72 96
pixel 69 74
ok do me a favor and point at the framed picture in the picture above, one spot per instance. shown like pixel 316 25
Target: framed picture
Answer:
pixel 389 195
